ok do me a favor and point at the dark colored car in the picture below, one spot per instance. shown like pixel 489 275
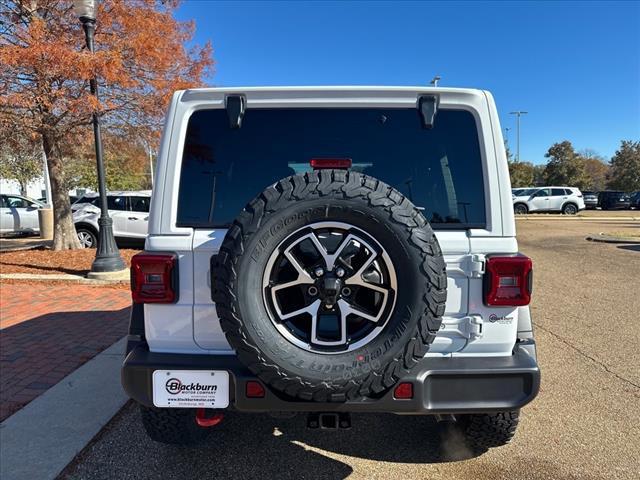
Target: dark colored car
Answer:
pixel 590 199
pixel 614 200
pixel 635 200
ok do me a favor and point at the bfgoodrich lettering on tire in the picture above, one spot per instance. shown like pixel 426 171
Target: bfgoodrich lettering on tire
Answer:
pixel 330 285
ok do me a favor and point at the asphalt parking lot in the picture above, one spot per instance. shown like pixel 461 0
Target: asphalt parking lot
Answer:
pixel 583 425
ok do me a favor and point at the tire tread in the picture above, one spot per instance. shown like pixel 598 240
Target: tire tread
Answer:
pixel 347 185
pixel 176 426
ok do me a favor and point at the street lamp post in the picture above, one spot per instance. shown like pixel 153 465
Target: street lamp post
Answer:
pixel 518 113
pixel 108 257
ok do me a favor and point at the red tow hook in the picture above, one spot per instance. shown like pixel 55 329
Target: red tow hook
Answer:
pixel 203 421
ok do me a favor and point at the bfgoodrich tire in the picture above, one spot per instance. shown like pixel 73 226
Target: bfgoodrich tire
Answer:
pixel 489 430
pixel 369 350
pixel 176 426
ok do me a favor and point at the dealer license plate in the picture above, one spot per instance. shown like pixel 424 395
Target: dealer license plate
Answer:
pixel 191 388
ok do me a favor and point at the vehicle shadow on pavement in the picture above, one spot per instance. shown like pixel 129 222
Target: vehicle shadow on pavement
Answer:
pixel 412 439
pixel 385 437
pixel 260 446
pixel 56 269
pixel 631 247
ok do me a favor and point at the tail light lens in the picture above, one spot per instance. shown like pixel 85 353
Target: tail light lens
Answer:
pixel 508 281
pixel 154 278
pixel 404 391
pixel 322 163
pixel 254 389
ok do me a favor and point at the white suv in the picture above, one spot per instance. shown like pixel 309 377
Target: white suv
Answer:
pixel 567 200
pixel 331 250
pixel 19 214
pixel 129 211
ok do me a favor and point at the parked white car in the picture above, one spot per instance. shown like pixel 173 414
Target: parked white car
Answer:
pixel 567 200
pixel 129 211
pixel 19 214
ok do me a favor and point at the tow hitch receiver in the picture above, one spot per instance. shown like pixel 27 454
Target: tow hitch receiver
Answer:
pixel 205 421
pixel 329 421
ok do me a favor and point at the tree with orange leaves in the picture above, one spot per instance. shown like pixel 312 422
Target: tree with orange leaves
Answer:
pixel 140 59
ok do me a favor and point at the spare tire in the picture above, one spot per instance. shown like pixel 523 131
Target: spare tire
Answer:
pixel 330 286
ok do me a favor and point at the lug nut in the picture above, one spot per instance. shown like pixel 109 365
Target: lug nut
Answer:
pixel 340 272
pixel 312 290
pixel 346 291
pixel 319 272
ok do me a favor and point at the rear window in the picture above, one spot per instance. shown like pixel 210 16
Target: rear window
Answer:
pixel 439 169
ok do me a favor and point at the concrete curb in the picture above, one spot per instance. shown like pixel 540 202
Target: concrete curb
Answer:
pixel 120 275
pixel 62 277
pixel 40 440
pixel 607 239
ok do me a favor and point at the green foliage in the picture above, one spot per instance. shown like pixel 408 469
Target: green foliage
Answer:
pixel 126 164
pixel 596 169
pixel 507 151
pixel 521 173
pixel 565 167
pixel 20 158
pixel 538 175
pixel 625 167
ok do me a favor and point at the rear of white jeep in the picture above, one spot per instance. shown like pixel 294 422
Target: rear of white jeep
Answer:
pixel 331 250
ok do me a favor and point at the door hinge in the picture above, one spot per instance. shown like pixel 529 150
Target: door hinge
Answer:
pixel 469 327
pixel 475 265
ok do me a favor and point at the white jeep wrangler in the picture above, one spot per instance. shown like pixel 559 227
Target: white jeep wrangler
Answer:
pixel 331 250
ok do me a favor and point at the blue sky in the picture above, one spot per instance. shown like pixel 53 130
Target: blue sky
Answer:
pixel 574 66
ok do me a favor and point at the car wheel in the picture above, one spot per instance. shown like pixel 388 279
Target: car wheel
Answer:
pixel 520 209
pixel 87 237
pixel 174 426
pixel 330 286
pixel 483 431
pixel 569 209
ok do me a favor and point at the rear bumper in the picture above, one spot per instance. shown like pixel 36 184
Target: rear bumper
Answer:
pixel 440 385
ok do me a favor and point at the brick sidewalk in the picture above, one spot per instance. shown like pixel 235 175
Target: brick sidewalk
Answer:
pixel 46 332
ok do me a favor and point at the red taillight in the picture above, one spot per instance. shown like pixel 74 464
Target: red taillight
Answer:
pixel 403 391
pixel 508 281
pixel 254 389
pixel 322 163
pixel 154 278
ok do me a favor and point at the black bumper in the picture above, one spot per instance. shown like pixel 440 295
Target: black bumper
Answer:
pixel 440 385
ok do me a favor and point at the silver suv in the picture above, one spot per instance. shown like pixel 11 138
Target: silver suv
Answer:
pixel 567 200
pixel 328 251
pixel 129 211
